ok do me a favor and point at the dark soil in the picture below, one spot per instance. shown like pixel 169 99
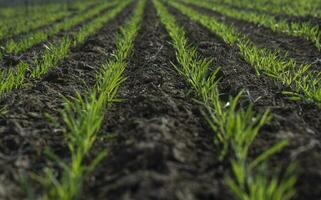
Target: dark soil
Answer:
pixel 36 51
pixel 160 146
pixel 46 27
pixel 25 130
pixel 162 149
pixel 297 122
pixel 304 19
pixel 308 19
pixel 302 50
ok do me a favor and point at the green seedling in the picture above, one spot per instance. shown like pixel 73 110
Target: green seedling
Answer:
pixel 34 38
pixel 18 22
pixel 14 78
pixel 83 117
pixel 304 82
pixel 234 128
pixel 306 30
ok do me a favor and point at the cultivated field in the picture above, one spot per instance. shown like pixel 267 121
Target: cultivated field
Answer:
pixel 160 100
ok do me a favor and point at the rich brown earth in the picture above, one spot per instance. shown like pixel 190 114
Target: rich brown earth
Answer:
pixel 72 13
pixel 306 19
pixel 158 141
pixel 25 131
pixel 302 50
pixel 36 51
pixel 162 149
pixel 298 122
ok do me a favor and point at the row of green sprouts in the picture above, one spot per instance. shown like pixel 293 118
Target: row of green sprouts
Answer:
pixel 29 40
pixel 15 77
pixel 305 8
pixel 15 20
pixel 303 83
pixel 235 128
pixel 302 29
pixel 83 116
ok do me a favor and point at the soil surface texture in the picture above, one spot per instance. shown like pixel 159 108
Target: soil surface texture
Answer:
pixel 26 131
pixel 162 148
pixel 302 50
pixel 295 121
pixel 33 53
pixel 72 13
pixel 304 19
pixel 159 144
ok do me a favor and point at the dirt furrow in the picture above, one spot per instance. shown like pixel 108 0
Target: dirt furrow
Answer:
pixel 25 130
pixel 162 148
pixel 302 50
pixel 316 21
pixel 47 27
pixel 295 121
pixel 301 19
pixel 311 19
pixel 36 51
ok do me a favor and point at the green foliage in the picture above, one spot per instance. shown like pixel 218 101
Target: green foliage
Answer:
pixel 13 78
pixel 305 84
pixel 98 22
pixel 19 21
pixel 235 128
pixel 290 7
pixel 34 38
pixel 83 117
pixel 260 186
pixel 306 30
pixel 52 55
pixel 55 52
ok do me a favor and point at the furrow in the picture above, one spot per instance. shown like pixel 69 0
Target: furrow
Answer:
pixel 235 127
pixel 290 7
pixel 15 47
pixel 307 18
pixel 25 129
pixel 38 17
pixel 295 121
pixel 161 148
pixel 83 117
pixel 54 53
pixel 295 47
pixel 304 30
pixel 304 84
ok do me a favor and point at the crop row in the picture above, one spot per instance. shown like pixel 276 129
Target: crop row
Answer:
pixel 305 84
pixel 304 29
pixel 29 40
pixel 234 128
pixel 32 11
pixel 14 78
pixel 39 17
pixel 83 116
pixel 290 7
